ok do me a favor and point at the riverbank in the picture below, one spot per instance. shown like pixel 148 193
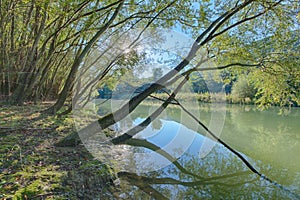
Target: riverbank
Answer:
pixel 216 98
pixel 32 167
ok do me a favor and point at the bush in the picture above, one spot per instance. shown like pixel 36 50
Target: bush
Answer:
pixel 243 91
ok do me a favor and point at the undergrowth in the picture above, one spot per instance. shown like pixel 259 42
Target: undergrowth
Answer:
pixel 32 167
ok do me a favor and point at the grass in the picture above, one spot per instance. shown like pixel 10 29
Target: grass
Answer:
pixel 32 167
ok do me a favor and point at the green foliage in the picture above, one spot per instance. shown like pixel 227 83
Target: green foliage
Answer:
pixel 277 81
pixel 198 83
pixel 278 88
pixel 41 39
pixel 243 89
pixel 273 44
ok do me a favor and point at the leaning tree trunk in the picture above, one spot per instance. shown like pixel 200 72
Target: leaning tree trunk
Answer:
pixel 66 90
pixel 72 75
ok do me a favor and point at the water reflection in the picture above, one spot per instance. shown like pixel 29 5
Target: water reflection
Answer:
pixel 218 176
pixel 270 142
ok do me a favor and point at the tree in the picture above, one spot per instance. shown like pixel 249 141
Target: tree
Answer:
pixel 277 81
pixel 243 89
pixel 231 18
pixel 272 41
pixel 72 75
pixel 109 28
pixel 35 34
pixel 226 26
pixel 198 83
pixel 39 45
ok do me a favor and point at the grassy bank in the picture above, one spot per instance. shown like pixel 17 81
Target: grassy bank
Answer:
pixel 32 167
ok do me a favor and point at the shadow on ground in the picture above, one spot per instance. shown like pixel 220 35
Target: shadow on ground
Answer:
pixel 32 167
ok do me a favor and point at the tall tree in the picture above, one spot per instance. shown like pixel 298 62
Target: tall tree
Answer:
pixel 72 75
pixel 234 15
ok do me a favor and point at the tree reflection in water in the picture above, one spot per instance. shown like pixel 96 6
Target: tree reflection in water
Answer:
pixel 218 176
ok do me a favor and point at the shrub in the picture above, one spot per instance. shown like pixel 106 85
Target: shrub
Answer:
pixel 243 90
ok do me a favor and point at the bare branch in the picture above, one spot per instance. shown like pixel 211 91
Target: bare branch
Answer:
pixel 129 134
pixel 240 156
pixel 245 20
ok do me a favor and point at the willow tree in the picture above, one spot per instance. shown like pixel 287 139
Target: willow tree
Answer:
pixel 222 30
pixel 34 35
pixel 39 39
pixel 226 20
pixel 126 16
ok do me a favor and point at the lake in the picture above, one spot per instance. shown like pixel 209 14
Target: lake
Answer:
pixel 174 158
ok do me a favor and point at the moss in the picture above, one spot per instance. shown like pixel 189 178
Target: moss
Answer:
pixel 31 167
pixel 29 191
pixel 69 141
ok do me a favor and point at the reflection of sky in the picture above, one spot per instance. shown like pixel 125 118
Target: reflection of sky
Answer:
pixel 219 161
pixel 264 138
pixel 246 130
pixel 173 137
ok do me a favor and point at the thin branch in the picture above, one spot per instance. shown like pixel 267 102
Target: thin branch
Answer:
pixel 151 21
pixel 72 18
pixel 160 99
pixel 240 156
pixel 225 17
pixel 245 20
pixel 137 15
pixel 227 66
pixel 129 134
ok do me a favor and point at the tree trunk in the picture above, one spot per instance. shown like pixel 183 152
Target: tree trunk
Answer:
pixel 72 75
pixel 127 108
pixel 65 92
pixel 27 78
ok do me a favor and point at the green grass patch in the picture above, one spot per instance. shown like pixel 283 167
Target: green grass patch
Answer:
pixel 32 167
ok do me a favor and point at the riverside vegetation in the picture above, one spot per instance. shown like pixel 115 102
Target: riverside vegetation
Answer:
pixel 33 167
pixel 64 51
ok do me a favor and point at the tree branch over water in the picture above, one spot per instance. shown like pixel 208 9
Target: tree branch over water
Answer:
pixel 157 149
pixel 240 156
pixel 129 134
pixel 127 108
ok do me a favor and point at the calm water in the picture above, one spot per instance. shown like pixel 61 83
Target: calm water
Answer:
pixel 181 162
